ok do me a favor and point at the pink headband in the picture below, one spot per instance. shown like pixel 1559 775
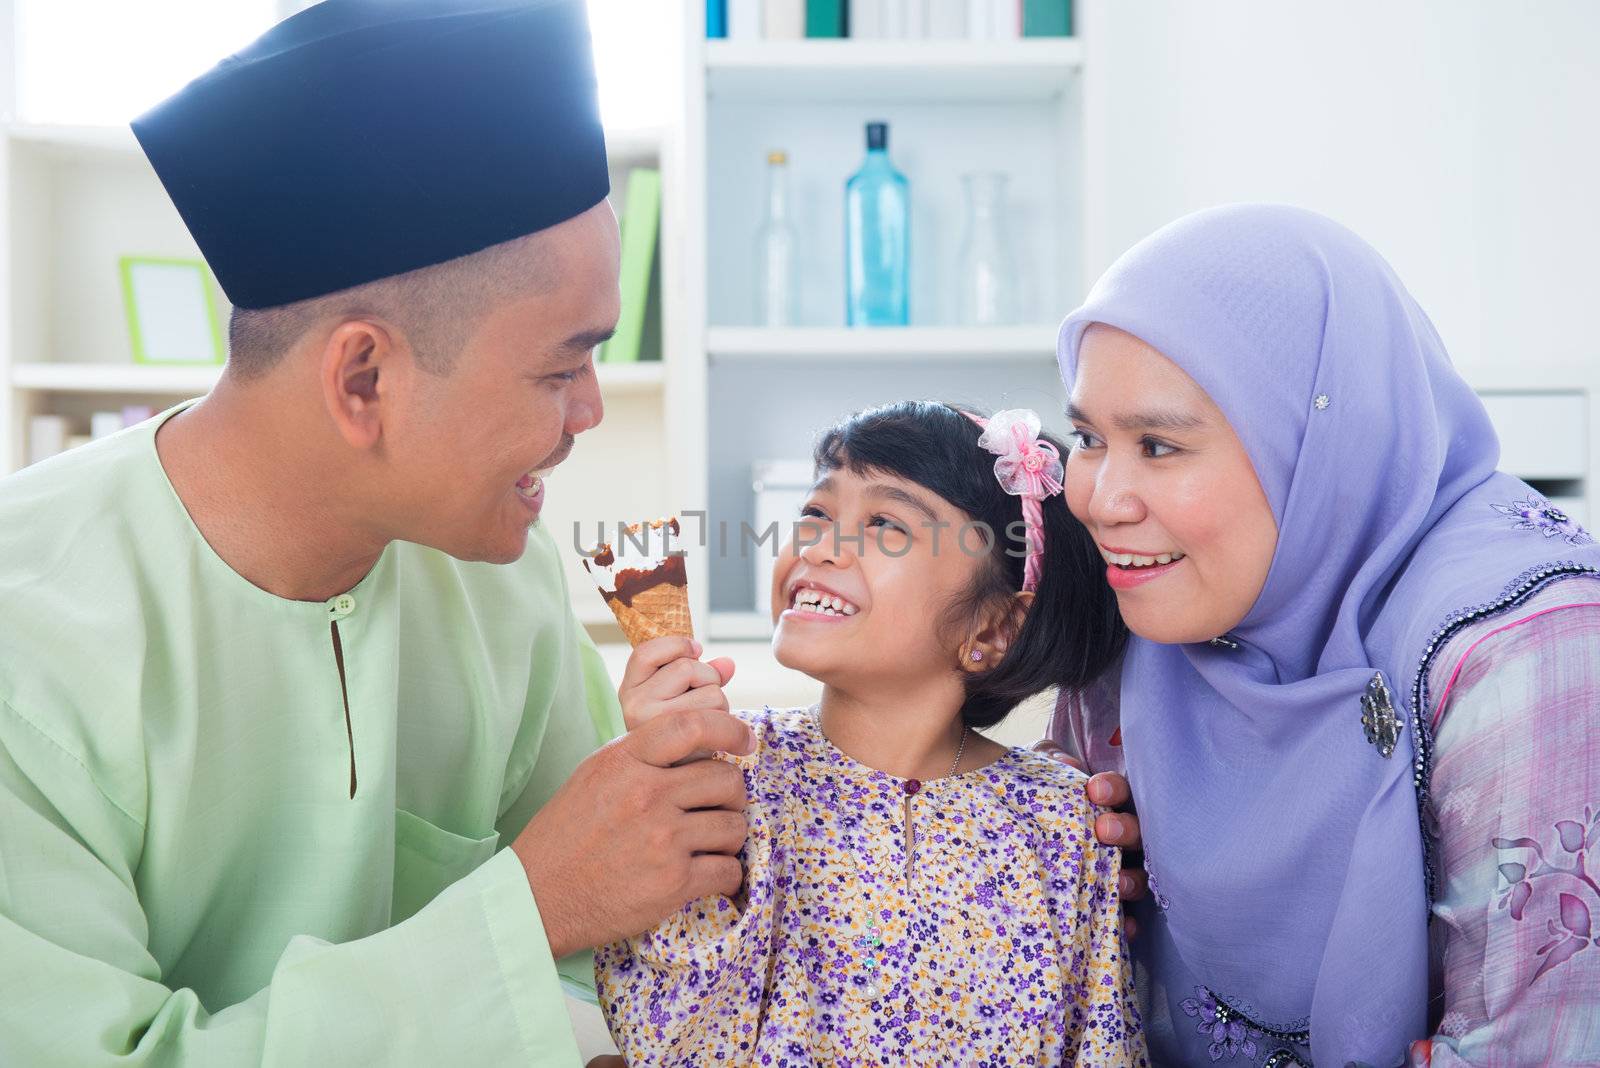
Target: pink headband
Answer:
pixel 1025 467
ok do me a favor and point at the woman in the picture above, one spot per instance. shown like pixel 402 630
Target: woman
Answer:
pixel 1363 667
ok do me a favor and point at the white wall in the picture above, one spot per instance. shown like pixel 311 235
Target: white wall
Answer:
pixel 1459 136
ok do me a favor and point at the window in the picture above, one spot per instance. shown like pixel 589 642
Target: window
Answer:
pixel 102 62
pixel 632 43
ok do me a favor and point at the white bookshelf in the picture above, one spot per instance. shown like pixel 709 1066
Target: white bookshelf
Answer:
pixel 960 72
pixel 907 344
pixel 759 393
pixel 69 142
pixel 74 377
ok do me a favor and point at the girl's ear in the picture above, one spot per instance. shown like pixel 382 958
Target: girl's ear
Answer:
pixel 984 650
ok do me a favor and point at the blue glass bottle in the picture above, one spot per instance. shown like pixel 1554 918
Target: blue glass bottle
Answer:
pixel 877 238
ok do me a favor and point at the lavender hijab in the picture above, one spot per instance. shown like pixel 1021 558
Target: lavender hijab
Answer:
pixel 1286 846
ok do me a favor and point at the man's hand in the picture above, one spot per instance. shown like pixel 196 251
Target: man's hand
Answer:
pixel 630 837
pixel 665 675
pixel 1118 827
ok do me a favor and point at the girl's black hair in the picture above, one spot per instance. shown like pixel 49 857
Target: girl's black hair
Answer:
pixel 1072 633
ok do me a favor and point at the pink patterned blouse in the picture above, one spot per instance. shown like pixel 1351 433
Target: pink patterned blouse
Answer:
pixel 1515 802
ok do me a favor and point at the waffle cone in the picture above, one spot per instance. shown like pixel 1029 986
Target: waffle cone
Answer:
pixel 658 612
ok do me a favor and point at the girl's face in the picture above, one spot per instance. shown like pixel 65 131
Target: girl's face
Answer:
pixel 1164 485
pixel 859 591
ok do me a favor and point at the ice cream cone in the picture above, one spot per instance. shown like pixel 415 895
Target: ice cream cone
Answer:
pixel 649 595
pixel 658 612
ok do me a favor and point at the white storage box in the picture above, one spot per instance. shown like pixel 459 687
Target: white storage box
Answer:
pixel 780 489
pixel 1542 435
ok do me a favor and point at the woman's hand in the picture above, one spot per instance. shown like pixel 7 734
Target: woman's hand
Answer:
pixel 1117 827
pixel 666 675
pixel 610 1060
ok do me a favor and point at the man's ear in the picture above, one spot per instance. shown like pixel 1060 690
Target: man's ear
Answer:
pixel 360 369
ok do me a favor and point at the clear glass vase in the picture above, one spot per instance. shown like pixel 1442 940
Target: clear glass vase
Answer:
pixel 777 246
pixel 986 271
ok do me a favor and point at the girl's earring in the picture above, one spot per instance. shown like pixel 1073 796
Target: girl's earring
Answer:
pixel 977 656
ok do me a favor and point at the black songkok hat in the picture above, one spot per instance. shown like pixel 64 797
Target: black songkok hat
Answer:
pixel 362 139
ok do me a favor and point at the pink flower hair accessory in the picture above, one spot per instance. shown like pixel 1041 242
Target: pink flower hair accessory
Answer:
pixel 1025 467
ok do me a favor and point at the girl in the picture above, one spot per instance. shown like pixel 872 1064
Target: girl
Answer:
pixel 915 893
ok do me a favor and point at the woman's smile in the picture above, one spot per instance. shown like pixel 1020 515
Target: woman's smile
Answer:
pixel 1127 570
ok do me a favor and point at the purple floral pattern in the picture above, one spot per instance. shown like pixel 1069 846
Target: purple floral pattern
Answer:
pixel 1571 929
pixel 1535 513
pixel 1230 1033
pixel 1230 1036
pixel 999 943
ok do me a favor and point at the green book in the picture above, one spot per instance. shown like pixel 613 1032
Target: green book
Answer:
pixel 1047 18
pixel 825 18
pixel 641 222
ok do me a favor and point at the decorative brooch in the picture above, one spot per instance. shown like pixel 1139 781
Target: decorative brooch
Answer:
pixel 1378 717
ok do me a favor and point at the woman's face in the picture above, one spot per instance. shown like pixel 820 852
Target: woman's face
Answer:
pixel 1164 485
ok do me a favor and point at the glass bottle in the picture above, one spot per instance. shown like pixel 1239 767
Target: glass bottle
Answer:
pixel 777 246
pixel 877 238
pixel 986 272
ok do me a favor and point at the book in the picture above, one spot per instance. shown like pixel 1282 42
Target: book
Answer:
pixel 1047 18
pixel 744 20
pixel 894 19
pixel 825 18
pixel 641 224
pixel 947 19
pixel 867 18
pixel 994 20
pixel 916 19
pixel 783 20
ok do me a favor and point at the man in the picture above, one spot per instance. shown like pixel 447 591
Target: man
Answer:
pixel 295 718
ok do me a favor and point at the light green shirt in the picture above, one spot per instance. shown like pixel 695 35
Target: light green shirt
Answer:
pixel 185 877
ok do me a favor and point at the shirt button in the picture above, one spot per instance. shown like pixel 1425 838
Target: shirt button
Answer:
pixel 341 606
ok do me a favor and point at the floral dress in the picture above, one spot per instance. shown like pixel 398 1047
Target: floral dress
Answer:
pixel 997 941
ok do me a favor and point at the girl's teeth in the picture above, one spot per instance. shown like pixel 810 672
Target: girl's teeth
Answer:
pixel 825 604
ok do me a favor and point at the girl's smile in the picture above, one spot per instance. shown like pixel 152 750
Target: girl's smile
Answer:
pixel 813 600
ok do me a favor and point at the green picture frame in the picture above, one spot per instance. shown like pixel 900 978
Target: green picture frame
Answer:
pixel 172 312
